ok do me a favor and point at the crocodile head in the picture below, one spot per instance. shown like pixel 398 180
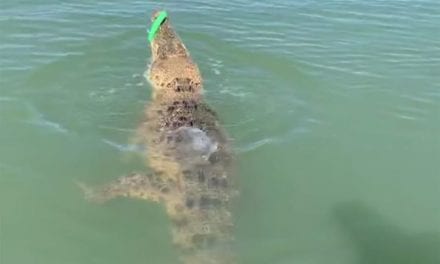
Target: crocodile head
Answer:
pixel 172 73
pixel 166 43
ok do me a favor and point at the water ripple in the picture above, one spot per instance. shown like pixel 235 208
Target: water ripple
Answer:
pixel 124 147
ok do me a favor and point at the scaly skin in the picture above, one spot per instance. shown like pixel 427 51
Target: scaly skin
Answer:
pixel 189 154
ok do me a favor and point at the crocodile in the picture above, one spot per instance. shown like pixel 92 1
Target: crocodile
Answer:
pixel 189 155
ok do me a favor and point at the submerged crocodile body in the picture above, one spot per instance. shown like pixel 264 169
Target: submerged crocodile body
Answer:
pixel 189 155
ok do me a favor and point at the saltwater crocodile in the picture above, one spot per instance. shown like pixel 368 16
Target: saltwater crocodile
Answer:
pixel 189 155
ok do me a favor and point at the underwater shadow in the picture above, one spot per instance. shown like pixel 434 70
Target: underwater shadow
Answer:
pixel 377 241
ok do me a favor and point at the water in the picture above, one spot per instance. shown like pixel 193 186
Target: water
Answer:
pixel 334 108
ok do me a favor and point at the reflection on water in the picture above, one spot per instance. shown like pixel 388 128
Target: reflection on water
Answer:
pixel 379 241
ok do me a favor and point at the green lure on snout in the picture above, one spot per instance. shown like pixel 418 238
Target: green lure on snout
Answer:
pixel 156 25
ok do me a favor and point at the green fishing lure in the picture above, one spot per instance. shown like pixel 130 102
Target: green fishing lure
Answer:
pixel 156 25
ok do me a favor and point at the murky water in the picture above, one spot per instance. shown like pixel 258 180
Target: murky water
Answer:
pixel 334 107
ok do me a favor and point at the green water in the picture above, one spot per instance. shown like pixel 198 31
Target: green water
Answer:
pixel 334 107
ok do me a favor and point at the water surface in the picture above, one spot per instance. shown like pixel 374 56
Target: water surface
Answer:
pixel 334 108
